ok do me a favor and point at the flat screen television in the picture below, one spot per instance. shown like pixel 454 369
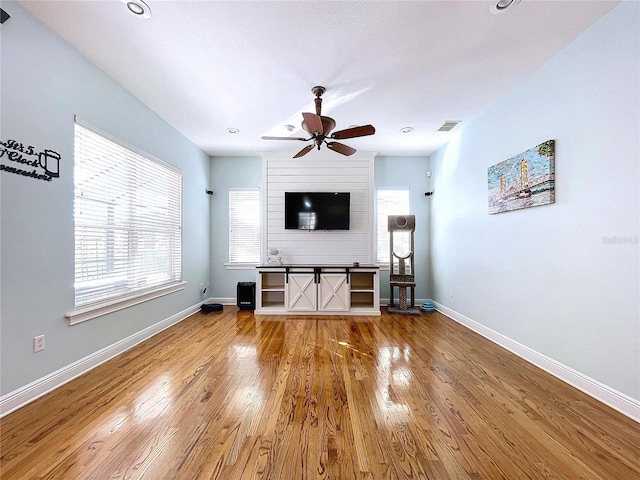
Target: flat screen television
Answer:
pixel 316 210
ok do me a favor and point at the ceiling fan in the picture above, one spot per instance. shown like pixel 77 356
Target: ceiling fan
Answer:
pixel 319 128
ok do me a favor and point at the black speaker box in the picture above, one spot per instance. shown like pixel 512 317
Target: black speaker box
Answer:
pixel 246 295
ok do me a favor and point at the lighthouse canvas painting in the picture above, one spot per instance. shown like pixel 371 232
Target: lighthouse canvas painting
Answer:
pixel 524 180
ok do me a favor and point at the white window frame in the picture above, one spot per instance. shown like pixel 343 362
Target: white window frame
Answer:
pixel 128 236
pixel 251 204
pixel 382 233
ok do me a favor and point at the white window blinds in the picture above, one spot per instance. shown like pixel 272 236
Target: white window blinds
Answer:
pixel 390 201
pixel 244 225
pixel 128 217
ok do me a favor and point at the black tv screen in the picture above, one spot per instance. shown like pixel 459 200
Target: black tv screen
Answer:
pixel 316 210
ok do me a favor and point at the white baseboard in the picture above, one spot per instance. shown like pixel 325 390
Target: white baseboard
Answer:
pixel 383 301
pixel 34 390
pixel 617 400
pixel 418 301
pixel 225 300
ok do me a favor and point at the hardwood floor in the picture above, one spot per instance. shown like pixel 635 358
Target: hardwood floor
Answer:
pixel 228 395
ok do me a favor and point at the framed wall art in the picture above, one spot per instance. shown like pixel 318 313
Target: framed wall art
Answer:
pixel 524 180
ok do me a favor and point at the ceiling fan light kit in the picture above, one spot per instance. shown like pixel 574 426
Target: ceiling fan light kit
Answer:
pixel 319 127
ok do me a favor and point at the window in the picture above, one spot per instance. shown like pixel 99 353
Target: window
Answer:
pixel 128 217
pixel 244 225
pixel 390 201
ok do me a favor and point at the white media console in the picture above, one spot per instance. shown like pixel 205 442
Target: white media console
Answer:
pixel 318 290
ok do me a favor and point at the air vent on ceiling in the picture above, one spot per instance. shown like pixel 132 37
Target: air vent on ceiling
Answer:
pixel 448 126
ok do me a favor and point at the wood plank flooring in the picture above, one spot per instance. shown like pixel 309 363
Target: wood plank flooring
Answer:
pixel 228 395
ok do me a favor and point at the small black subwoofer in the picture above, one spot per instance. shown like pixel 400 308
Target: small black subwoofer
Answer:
pixel 246 295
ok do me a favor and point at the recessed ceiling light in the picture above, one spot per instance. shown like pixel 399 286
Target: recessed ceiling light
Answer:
pixel 290 128
pixel 406 129
pixel 502 6
pixel 233 130
pixel 138 8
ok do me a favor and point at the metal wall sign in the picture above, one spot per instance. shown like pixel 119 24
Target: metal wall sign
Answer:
pixel 26 161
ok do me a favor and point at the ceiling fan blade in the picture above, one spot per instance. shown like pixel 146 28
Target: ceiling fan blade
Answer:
pixel 312 123
pixel 284 138
pixel 353 132
pixel 341 148
pixel 304 151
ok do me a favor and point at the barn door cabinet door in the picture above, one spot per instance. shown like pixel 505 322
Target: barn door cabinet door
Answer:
pixel 301 292
pixel 323 292
pixel 333 293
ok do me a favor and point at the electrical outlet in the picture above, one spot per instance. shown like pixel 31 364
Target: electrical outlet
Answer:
pixel 451 293
pixel 203 288
pixel 38 343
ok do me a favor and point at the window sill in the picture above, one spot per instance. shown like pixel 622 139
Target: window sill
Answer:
pixel 240 266
pixel 93 311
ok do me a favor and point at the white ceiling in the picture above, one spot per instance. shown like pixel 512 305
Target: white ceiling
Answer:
pixel 205 66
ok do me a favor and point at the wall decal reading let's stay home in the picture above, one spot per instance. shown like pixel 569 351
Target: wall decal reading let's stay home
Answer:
pixel 29 163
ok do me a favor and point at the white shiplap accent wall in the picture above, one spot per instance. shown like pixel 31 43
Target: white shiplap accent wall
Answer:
pixel 323 171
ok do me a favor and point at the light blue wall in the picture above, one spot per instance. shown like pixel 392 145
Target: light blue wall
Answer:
pixel 409 172
pixel 552 277
pixel 44 84
pixel 228 172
